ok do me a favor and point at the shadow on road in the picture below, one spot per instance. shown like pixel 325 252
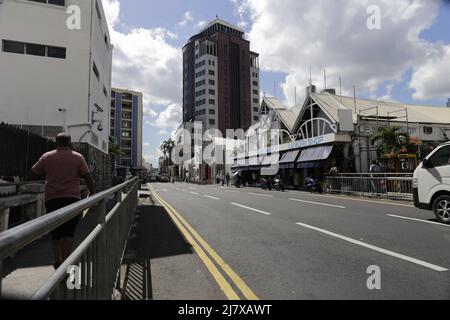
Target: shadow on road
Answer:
pixel 153 236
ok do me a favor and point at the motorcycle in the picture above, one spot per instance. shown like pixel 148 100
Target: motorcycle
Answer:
pixel 313 186
pixel 266 184
pixel 278 184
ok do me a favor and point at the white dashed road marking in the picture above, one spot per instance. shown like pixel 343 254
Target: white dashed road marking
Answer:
pixel 249 208
pixel 374 248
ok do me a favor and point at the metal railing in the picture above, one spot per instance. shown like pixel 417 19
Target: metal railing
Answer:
pixel 94 266
pixel 380 185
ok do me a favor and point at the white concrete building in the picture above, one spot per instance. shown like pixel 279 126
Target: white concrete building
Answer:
pixel 53 78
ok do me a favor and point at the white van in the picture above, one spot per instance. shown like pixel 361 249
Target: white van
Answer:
pixel 432 183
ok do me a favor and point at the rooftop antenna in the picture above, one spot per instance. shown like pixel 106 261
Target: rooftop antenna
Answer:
pixel 325 78
pixel 340 87
pixel 354 97
pixel 310 76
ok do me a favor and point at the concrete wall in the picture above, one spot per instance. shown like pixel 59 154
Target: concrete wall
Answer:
pixel 33 88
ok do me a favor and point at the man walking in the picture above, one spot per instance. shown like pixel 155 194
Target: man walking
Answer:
pixel 62 169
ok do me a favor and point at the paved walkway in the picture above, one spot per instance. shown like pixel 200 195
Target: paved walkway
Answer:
pixel 29 268
pixel 159 264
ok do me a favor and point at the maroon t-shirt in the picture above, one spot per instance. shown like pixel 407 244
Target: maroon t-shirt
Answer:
pixel 62 170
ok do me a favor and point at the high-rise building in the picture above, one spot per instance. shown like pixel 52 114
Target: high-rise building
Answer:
pixel 220 78
pixel 126 126
pixel 56 76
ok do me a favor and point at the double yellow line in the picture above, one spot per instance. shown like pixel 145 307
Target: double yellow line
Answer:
pixel 208 255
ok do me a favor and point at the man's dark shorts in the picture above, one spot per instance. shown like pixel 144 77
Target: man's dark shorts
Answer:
pixel 66 230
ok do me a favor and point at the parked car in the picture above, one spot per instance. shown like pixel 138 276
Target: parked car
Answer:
pixel 431 184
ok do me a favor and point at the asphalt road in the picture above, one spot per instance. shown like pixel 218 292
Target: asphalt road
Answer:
pixel 296 245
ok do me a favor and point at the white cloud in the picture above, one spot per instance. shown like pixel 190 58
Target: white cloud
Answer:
pixel 432 79
pixel 201 24
pixel 145 61
pixel 186 19
pixel 112 10
pixel 146 144
pixel 169 119
pixel 293 35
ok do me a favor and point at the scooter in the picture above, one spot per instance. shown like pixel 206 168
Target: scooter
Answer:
pixel 266 184
pixel 278 184
pixel 313 186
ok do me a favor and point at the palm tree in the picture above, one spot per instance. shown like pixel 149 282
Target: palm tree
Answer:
pixel 167 148
pixel 390 140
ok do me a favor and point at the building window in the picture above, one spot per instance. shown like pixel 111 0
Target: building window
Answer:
pixel 126 115
pixel 56 52
pixel 255 118
pixel 212 73
pixel 212 111
pixel 96 72
pixel 212 121
pixel 428 130
pixel 126 134
pixel 255 109
pixel 212 82
pixel 255 100
pixel 33 49
pixel 127 96
pixel 127 105
pixel 61 3
pixel 13 47
pixel 126 124
pixel 255 92
pixel 255 83
pixel 212 92
pixel 212 102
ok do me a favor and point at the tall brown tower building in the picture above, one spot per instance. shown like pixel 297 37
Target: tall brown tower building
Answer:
pixel 220 78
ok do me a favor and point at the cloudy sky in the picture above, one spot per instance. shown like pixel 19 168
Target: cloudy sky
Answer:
pixel 407 59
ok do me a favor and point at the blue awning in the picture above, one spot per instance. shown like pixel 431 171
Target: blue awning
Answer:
pixel 289 157
pixel 270 159
pixel 315 154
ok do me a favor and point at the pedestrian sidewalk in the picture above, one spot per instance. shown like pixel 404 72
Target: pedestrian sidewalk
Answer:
pixel 159 263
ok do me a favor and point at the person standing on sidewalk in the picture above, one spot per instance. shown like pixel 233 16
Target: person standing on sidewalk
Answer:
pixel 374 169
pixel 62 169
pixel 228 179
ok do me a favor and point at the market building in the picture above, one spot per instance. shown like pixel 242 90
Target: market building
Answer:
pixel 331 130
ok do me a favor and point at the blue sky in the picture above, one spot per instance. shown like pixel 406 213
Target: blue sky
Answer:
pixel 180 19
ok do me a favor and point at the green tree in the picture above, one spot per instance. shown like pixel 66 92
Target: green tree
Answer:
pixel 167 148
pixel 114 152
pixel 390 140
pixel 114 148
